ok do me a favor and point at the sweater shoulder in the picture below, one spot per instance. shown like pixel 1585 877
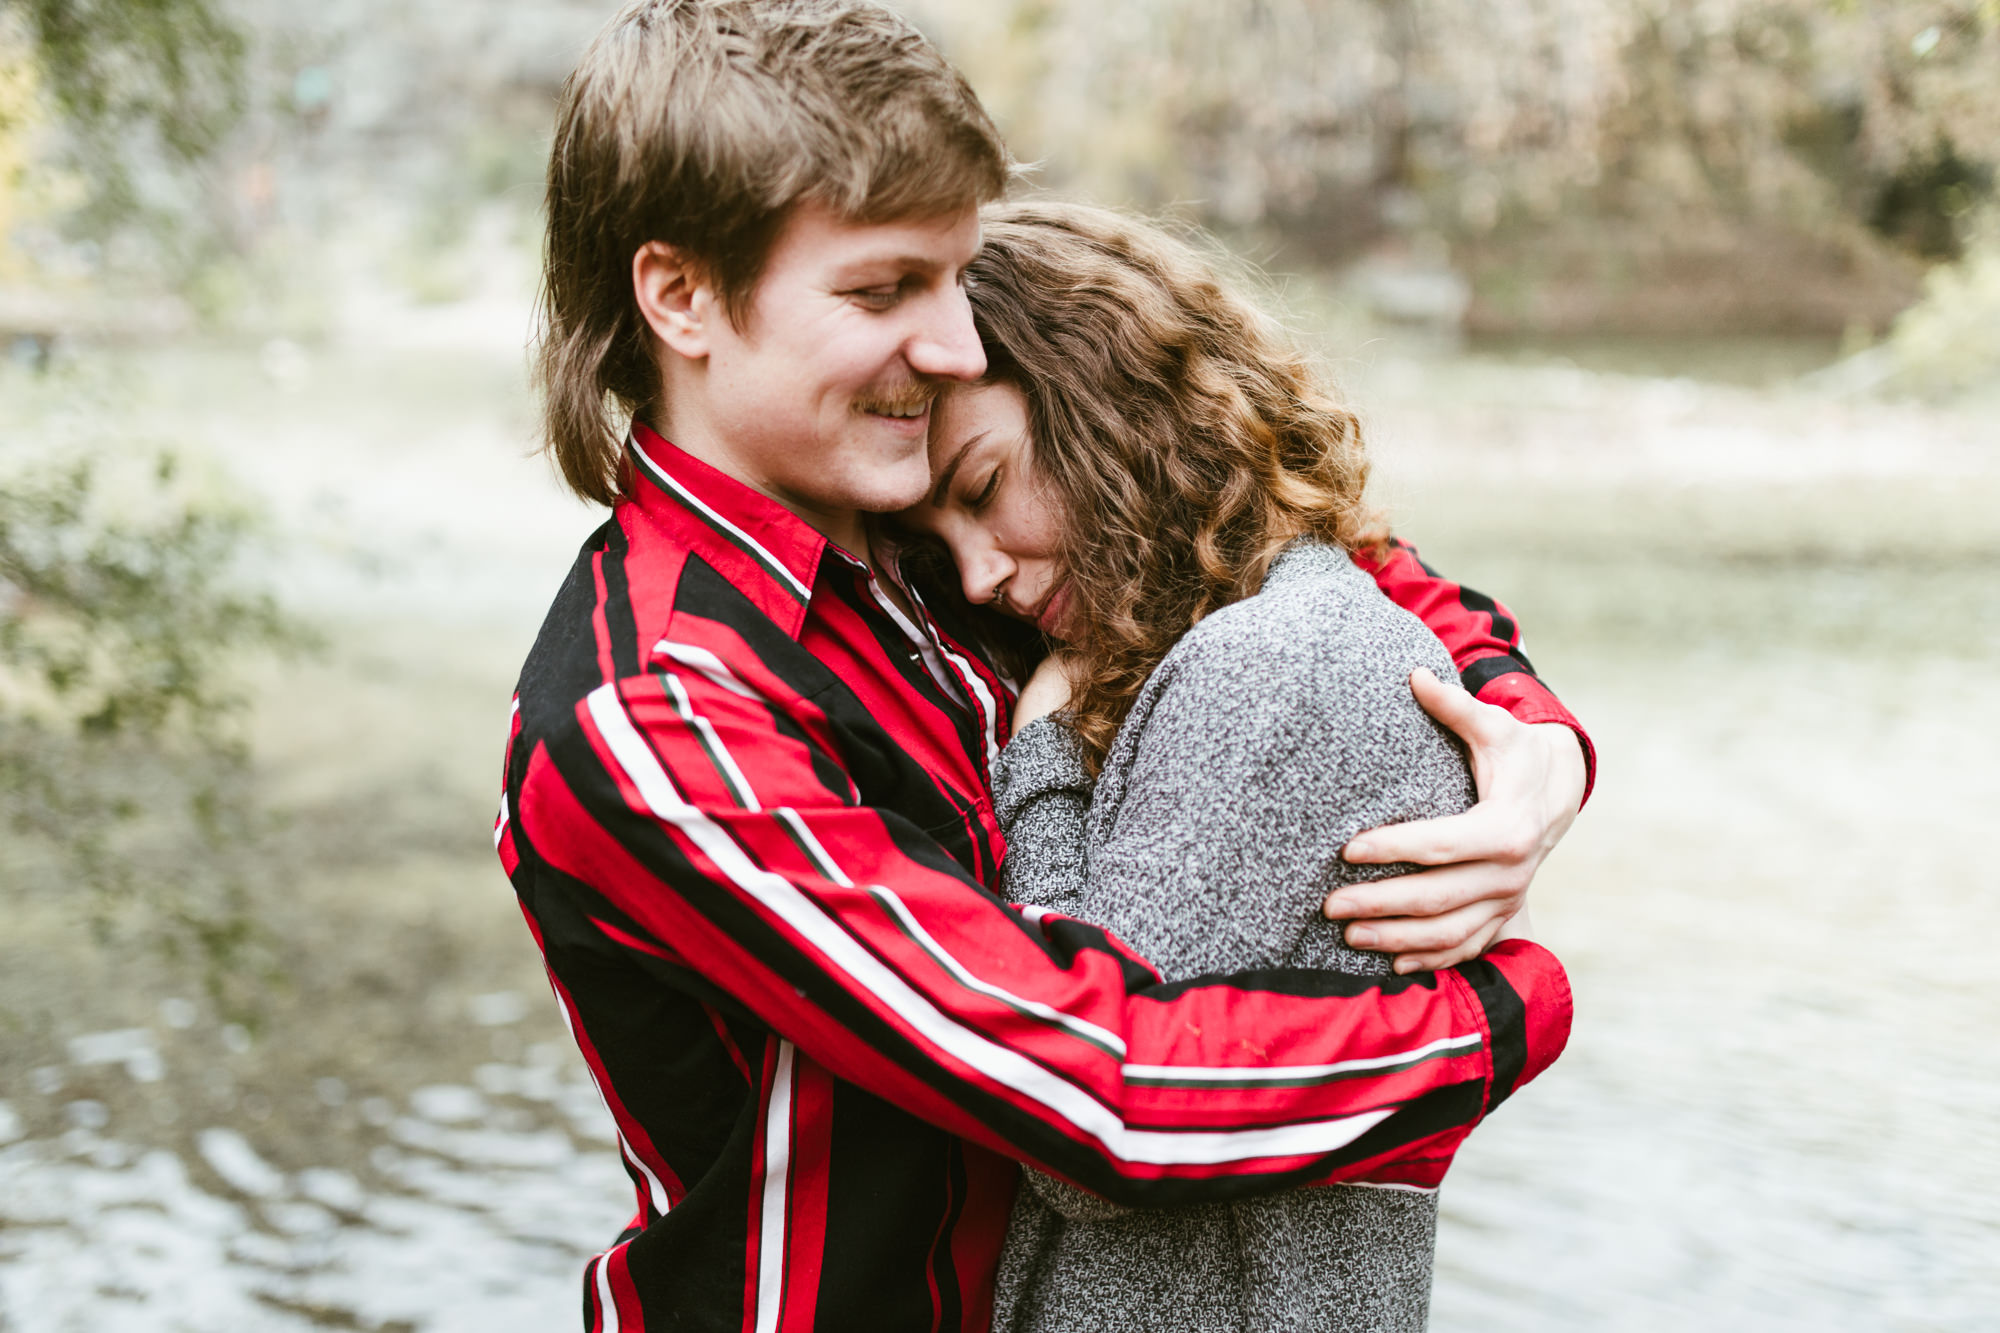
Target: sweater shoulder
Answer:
pixel 1318 614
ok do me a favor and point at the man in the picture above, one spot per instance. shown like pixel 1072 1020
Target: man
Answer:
pixel 746 807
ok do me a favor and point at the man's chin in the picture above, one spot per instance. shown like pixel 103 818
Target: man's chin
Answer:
pixel 893 487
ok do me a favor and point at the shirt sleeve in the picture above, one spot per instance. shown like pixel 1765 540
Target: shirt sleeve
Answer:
pixel 1483 638
pixel 712 836
pixel 1041 793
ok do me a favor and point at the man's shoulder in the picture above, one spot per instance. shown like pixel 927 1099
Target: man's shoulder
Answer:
pixel 613 606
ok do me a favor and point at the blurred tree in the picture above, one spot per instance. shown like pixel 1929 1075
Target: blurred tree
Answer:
pixel 131 77
pixel 1831 131
pixel 137 86
pixel 133 100
pixel 124 785
pixel 124 621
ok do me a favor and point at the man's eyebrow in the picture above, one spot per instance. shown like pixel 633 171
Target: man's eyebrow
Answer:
pixel 951 470
pixel 861 269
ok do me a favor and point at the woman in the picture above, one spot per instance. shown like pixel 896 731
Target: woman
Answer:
pixel 1151 478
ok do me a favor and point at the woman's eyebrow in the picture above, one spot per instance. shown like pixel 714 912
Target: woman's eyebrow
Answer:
pixel 951 470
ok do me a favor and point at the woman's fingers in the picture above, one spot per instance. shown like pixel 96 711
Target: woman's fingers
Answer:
pixel 1047 691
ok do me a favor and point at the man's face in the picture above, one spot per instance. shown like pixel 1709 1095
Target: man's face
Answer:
pixel 822 399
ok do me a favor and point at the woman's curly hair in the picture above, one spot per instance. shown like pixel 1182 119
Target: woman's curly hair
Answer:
pixel 1185 437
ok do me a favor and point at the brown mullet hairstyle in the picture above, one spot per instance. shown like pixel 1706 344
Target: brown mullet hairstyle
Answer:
pixel 704 123
pixel 1181 433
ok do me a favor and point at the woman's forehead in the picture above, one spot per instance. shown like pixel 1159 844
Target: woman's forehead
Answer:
pixel 968 421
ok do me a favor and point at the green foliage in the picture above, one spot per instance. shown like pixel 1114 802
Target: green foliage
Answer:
pixel 173 64
pixel 1339 119
pixel 1949 342
pixel 124 785
pixel 137 101
pixel 135 82
pixel 125 620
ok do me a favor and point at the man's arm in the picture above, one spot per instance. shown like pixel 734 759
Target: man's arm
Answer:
pixel 1483 638
pixel 851 934
pixel 1534 766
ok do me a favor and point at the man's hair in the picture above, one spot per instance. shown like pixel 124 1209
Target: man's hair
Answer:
pixel 1183 435
pixel 704 123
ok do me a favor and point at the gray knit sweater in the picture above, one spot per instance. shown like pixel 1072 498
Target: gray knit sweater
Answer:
pixel 1277 729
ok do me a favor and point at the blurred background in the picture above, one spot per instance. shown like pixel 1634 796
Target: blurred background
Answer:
pixel 1677 327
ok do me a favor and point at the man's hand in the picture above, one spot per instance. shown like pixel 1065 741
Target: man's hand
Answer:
pixel 1047 691
pixel 1530 781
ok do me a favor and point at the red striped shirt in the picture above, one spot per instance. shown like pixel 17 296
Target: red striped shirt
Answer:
pixel 747 818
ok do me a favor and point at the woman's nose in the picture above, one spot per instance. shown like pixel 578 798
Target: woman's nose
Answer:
pixel 983 575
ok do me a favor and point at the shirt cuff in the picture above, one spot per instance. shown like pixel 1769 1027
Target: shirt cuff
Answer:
pixel 1525 997
pixel 1532 702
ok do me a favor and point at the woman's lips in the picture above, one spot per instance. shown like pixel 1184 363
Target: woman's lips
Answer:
pixel 1049 619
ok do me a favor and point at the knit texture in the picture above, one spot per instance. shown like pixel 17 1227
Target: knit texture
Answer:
pixel 1273 732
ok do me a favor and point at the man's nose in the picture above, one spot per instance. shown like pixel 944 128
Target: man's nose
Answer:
pixel 947 345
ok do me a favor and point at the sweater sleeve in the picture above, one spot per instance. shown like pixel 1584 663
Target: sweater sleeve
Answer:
pixel 1041 793
pixel 1271 741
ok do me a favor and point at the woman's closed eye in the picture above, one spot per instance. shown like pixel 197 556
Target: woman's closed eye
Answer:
pixel 984 495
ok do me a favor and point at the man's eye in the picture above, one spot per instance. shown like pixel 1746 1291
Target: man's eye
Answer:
pixel 877 298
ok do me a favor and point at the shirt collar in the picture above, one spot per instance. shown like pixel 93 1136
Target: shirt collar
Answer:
pixel 769 553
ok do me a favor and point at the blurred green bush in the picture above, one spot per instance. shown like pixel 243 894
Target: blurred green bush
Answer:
pixel 126 617
pixel 1768 165
pixel 1949 342
pixel 126 611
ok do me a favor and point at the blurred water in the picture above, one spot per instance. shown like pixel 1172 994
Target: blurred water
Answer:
pixel 473 1223
pixel 1777 1111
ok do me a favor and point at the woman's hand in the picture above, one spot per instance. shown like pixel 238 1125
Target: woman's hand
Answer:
pixel 1047 691
pixel 1530 781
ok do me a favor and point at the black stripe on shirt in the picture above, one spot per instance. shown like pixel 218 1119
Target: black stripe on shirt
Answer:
pixel 1478 675
pixel 1506 1020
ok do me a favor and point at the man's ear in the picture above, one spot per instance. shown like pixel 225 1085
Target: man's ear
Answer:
pixel 674 299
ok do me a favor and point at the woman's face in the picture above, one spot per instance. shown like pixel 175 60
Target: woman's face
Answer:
pixel 990 508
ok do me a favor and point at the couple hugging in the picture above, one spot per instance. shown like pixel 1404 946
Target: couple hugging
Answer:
pixel 939 790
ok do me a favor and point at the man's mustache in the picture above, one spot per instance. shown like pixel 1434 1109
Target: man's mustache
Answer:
pixel 904 400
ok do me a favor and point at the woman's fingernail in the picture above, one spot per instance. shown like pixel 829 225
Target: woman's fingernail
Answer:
pixel 1355 850
pixel 1360 937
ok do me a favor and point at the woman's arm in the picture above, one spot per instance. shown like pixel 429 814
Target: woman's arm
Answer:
pixel 1530 781
pixel 1041 793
